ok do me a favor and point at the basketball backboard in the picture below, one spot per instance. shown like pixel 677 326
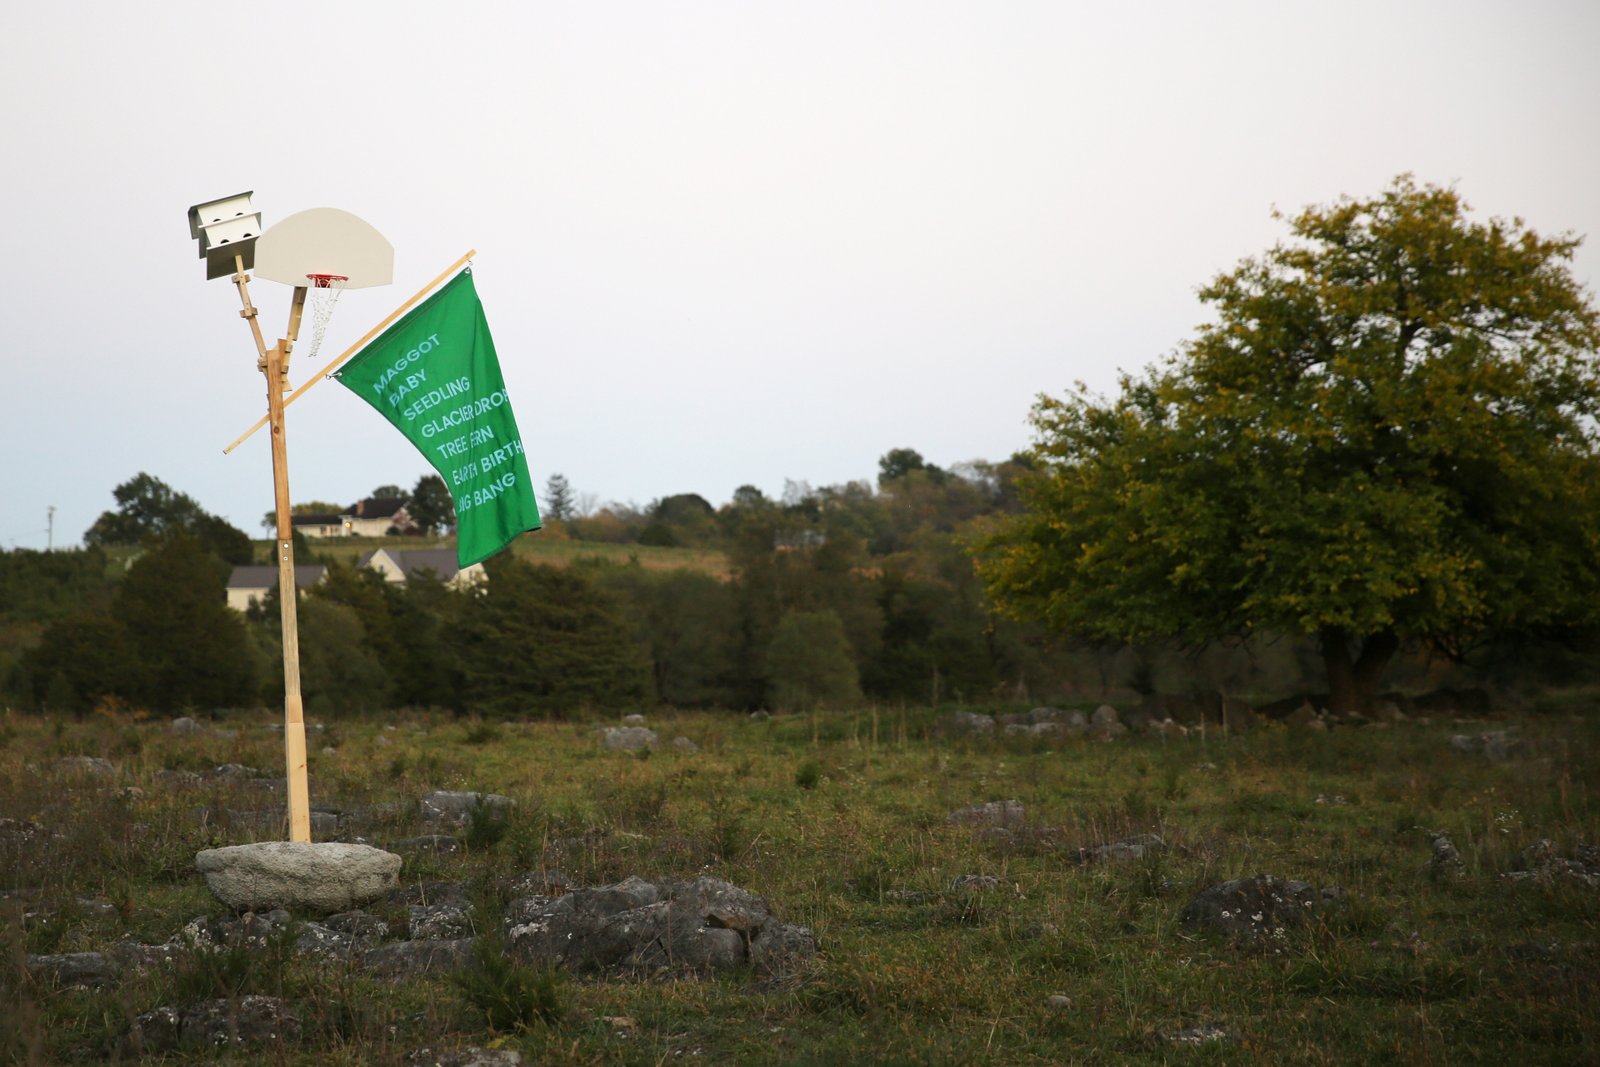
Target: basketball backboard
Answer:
pixel 324 241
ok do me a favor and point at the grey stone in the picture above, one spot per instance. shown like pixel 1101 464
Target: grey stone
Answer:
pixel 1059 1002
pixel 634 720
pixel 629 738
pixel 255 1021
pixel 1251 906
pixel 406 959
pixel 251 1020
pixel 1104 714
pixel 1136 847
pixel 1203 1034
pixel 243 931
pixel 699 926
pixel 683 744
pixel 153 1033
pixel 782 948
pixel 84 766
pixel 310 876
pixel 1107 731
pixel 186 726
pixel 324 942
pixel 69 969
pixel 358 924
pixel 1446 861
pixel 759 716
pixel 969 724
pixel 456 807
pixel 1007 813
pixel 470 1056
pixel 439 922
pixel 1541 862
pixel 139 957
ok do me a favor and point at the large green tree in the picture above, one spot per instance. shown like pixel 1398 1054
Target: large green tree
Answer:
pixel 148 507
pixel 431 506
pixel 1385 437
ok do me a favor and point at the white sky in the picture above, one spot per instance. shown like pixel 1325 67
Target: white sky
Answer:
pixel 719 243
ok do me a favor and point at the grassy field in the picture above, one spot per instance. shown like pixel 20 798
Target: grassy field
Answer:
pixel 840 821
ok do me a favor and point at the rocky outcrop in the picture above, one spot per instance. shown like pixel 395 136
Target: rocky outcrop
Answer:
pixel 700 926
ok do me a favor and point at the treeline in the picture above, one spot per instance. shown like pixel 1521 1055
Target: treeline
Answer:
pixel 832 596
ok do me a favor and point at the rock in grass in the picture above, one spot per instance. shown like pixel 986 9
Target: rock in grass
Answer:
pixel 1203 1034
pixel 700 926
pixel 83 767
pixel 1446 861
pixel 399 960
pixel 449 806
pixel 471 1056
pixel 1136 847
pixel 1541 862
pixel 988 813
pixel 629 738
pixel 968 724
pixel 1250 906
pixel 256 1021
pixel 320 877
pixel 88 970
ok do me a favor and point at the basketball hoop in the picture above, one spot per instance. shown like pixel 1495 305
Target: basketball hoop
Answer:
pixel 325 290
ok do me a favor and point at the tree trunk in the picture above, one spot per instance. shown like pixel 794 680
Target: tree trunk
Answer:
pixel 1353 683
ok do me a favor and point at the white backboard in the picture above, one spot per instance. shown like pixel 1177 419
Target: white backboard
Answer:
pixel 324 240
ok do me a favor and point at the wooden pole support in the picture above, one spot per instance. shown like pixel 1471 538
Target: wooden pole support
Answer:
pixel 327 371
pixel 294 725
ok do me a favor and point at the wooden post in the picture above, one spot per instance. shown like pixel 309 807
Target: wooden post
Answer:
pixel 274 364
pixel 294 722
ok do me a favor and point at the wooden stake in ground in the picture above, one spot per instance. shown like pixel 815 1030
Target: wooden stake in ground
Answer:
pixel 274 363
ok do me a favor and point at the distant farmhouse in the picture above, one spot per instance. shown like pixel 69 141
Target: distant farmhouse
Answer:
pixel 397 565
pixel 372 517
pixel 247 584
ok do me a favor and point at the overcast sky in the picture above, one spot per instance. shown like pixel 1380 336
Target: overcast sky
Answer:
pixel 718 243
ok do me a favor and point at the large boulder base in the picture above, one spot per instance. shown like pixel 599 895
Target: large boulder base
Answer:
pixel 322 877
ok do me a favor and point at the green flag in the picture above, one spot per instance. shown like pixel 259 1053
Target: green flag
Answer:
pixel 434 375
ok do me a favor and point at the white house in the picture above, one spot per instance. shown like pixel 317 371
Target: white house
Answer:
pixel 247 584
pixel 372 517
pixel 398 564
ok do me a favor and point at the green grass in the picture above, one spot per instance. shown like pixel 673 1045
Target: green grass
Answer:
pixel 848 835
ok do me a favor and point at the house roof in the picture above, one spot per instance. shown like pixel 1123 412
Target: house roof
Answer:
pixel 306 574
pixel 441 561
pixel 377 507
pixel 316 520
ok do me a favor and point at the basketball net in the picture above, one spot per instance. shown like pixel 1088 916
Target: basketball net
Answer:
pixel 324 292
